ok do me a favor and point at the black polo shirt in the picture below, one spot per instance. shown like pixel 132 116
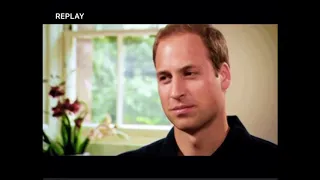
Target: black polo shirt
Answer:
pixel 240 149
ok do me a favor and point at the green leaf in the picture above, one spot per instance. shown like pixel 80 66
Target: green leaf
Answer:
pixel 56 149
pixel 64 134
pixel 83 145
pixel 65 130
pixel 69 146
pixel 45 137
pixel 76 136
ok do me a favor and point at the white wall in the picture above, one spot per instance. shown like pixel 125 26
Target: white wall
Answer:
pixel 253 94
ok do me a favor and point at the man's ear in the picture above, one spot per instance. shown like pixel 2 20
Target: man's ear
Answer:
pixel 225 76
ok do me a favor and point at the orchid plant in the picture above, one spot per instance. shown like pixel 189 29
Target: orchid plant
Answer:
pixel 71 116
pixel 66 112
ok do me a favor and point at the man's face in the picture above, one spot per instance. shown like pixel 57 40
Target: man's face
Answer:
pixel 191 94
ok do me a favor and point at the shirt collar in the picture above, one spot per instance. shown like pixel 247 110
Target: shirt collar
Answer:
pixel 236 134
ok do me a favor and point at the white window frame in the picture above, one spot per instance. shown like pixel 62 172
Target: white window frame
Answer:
pixel 70 44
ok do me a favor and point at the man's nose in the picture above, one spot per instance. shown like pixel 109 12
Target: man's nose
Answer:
pixel 177 88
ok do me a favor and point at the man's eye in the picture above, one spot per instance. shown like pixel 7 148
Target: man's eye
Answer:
pixel 162 78
pixel 189 73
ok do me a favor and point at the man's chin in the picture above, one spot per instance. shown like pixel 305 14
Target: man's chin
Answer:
pixel 187 125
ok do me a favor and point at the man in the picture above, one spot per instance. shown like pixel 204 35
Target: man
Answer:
pixel 193 74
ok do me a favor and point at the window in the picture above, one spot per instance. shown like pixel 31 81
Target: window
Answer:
pixel 99 27
pixel 116 76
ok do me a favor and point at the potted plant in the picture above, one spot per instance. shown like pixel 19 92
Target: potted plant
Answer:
pixel 71 116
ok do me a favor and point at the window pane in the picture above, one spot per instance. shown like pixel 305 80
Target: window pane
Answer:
pixel 82 27
pixel 84 71
pixel 104 78
pixel 96 74
pixel 141 99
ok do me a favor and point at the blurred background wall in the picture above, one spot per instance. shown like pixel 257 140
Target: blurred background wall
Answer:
pixel 253 94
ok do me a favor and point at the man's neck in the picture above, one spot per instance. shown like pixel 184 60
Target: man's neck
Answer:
pixel 205 141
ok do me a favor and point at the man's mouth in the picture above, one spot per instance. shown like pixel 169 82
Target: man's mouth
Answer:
pixel 182 109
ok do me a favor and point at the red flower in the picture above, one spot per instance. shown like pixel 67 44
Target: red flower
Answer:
pixel 66 104
pixel 78 122
pixel 74 107
pixel 56 91
pixel 58 110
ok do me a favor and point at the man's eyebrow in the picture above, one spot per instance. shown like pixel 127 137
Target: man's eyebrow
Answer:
pixel 190 66
pixel 163 72
pixel 186 67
